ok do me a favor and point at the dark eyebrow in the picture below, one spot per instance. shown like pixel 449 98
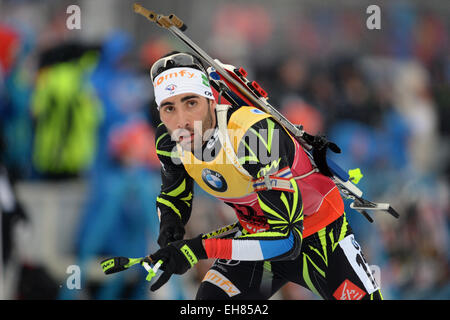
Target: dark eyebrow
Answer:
pixel 189 97
pixel 168 103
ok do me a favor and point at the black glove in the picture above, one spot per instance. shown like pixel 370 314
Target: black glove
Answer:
pixel 320 146
pixel 178 257
pixel 171 229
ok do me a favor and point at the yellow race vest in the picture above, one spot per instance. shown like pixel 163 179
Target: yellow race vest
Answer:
pixel 220 177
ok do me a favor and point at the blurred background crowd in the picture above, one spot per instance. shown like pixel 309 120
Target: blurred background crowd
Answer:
pixel 79 174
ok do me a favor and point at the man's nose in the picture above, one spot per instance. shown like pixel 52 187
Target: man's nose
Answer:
pixel 182 120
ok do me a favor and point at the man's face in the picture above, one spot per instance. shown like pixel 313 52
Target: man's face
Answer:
pixel 187 117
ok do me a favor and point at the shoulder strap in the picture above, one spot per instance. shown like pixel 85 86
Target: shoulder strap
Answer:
pixel 221 111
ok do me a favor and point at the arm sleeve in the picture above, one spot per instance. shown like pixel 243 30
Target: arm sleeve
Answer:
pixel 175 198
pixel 267 149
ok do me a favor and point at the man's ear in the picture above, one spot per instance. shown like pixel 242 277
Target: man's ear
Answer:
pixel 212 104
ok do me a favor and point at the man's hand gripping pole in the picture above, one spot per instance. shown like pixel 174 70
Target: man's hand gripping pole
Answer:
pixel 118 264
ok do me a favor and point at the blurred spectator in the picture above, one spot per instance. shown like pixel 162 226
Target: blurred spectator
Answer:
pixel 151 51
pixel 15 92
pixel 290 81
pixel 413 100
pixel 66 112
pixel 10 40
pixel 320 92
pixel 32 281
pixel 11 211
pixel 239 29
pixel 298 111
pixel 354 99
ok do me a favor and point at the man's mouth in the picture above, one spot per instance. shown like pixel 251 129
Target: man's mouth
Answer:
pixel 186 138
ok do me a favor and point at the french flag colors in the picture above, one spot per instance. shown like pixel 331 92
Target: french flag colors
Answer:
pixel 249 248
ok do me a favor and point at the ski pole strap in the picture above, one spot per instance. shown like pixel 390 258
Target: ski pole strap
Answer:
pixel 221 110
pixel 151 271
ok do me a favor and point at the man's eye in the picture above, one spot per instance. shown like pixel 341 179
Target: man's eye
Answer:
pixel 192 103
pixel 168 109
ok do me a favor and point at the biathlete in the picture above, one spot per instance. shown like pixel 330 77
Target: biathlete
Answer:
pixel 291 221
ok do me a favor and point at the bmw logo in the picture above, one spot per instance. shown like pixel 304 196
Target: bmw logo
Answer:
pixel 214 180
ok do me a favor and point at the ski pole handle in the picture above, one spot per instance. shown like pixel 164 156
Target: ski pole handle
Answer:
pixel 151 271
pixel 117 264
